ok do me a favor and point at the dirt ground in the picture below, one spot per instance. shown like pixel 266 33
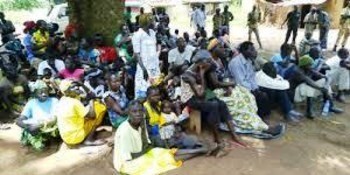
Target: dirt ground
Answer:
pixel 319 147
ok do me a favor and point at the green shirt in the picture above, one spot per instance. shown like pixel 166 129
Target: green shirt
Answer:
pixel 227 17
pixel 218 21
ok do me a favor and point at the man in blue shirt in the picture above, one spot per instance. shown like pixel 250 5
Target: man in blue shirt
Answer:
pixel 29 29
pixel 242 70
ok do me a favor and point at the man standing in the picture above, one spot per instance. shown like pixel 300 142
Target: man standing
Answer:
pixel 293 19
pixel 324 25
pixel 311 21
pixel 127 18
pixel 254 18
pixel 218 20
pixel 344 31
pixel 228 17
pixel 199 18
pixel 6 29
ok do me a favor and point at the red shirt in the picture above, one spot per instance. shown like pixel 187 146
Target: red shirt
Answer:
pixel 107 54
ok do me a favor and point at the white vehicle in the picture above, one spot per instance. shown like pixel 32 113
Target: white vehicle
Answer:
pixel 58 14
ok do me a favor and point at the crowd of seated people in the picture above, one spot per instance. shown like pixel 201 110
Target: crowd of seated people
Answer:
pixel 149 82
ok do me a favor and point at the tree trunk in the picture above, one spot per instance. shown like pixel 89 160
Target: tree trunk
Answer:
pixel 334 9
pixel 97 16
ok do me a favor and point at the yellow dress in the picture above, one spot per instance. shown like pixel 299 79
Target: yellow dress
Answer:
pixel 155 118
pixel 72 125
pixel 156 161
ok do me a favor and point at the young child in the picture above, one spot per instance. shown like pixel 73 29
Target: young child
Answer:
pixel 167 130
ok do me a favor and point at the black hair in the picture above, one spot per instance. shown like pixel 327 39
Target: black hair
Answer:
pixel 134 103
pixel 177 31
pixel 342 51
pixel 245 46
pixel 313 51
pixel 151 89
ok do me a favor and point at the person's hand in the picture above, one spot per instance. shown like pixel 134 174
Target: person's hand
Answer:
pixel 145 74
pixel 228 92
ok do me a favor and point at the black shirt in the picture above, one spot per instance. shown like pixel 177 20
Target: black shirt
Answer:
pixel 293 18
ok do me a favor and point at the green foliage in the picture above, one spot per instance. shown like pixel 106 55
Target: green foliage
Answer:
pixel 19 4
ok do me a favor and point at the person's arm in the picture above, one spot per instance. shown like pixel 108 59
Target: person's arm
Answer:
pixel 91 111
pixel 237 74
pixel 136 42
pixel 287 18
pixel 345 64
pixel 219 84
pixel 308 80
pixel 112 104
pixel 231 17
pixel 198 91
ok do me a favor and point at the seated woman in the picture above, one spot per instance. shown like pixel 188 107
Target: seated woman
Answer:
pixel 116 100
pixel 199 97
pixel 71 72
pixel 14 88
pixel 37 119
pixel 240 102
pixel 308 84
pixel 77 123
pixel 132 154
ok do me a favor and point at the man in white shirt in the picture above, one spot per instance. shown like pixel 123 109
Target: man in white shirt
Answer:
pixel 339 73
pixel 180 57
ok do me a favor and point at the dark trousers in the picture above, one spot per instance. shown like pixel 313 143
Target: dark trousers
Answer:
pixel 289 31
pixel 324 37
pixel 281 97
pixel 213 111
pixel 264 106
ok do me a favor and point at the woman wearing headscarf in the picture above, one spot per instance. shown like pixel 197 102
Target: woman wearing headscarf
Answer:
pixel 77 123
pixel 37 118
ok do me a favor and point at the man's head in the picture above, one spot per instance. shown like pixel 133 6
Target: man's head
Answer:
pixel 286 49
pixel 41 90
pixel 186 36
pixel 217 11
pixel 308 35
pixel 248 50
pixel 47 74
pixel 128 9
pixel 203 7
pixel 181 44
pixel 313 10
pixel 177 31
pixel 295 8
pixel 315 53
pixel 343 53
pixel 153 95
pixel 136 113
pixel 146 21
pixel 142 10
pixel 226 8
